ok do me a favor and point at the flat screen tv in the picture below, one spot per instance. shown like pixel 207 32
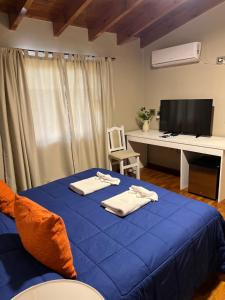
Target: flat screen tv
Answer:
pixel 188 116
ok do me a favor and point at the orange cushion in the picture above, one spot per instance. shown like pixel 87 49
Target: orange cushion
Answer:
pixel 7 199
pixel 44 236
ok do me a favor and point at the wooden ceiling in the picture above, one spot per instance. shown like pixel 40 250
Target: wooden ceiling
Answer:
pixel 129 19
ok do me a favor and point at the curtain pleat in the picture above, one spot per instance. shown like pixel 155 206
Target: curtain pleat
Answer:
pixel 91 108
pixel 17 131
pixel 2 168
pixel 50 117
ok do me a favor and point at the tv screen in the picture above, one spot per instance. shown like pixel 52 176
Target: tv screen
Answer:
pixel 192 116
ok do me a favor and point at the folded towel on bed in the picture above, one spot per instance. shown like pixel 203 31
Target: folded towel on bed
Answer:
pixel 108 178
pixel 144 193
pixel 128 201
pixel 93 184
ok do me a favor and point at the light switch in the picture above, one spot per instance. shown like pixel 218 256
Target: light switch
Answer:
pixel 220 60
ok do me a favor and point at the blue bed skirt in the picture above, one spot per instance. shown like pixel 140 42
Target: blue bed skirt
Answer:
pixel 165 250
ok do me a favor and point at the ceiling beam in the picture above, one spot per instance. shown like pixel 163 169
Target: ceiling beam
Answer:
pixel 176 18
pixel 72 12
pixel 112 17
pixel 151 13
pixel 16 16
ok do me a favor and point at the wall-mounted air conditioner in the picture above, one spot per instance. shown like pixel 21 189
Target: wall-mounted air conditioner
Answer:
pixel 178 55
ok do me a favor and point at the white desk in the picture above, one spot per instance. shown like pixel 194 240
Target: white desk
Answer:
pixel 188 145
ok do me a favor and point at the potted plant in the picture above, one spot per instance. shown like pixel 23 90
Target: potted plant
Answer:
pixel 145 116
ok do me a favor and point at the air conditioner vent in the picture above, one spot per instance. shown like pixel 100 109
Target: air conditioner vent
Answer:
pixel 178 55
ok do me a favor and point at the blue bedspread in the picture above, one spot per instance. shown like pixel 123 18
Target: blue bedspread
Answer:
pixel 162 251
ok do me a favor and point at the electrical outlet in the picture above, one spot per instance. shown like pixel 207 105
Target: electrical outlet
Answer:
pixel 220 60
pixel 157 115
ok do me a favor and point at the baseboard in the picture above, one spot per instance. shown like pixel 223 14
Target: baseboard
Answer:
pixel 163 169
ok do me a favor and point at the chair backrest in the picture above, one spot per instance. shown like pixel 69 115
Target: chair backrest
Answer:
pixel 116 139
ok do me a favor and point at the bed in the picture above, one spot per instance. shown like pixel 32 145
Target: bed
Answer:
pixel 165 250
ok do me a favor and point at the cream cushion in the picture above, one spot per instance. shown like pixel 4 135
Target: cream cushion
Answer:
pixel 123 154
pixel 58 290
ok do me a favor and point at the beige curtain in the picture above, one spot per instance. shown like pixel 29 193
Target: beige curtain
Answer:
pixel 54 114
pixel 91 99
pixel 46 84
pixel 16 127
pixel 72 104
pixel 2 168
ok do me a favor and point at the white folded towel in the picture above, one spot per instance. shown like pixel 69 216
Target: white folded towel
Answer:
pixel 144 193
pixel 108 178
pixel 127 202
pixel 93 184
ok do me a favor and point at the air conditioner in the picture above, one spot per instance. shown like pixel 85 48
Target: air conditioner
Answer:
pixel 178 55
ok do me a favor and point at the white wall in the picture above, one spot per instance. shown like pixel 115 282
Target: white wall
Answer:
pixel 202 80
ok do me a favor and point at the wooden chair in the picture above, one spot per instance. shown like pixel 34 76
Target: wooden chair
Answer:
pixel 119 153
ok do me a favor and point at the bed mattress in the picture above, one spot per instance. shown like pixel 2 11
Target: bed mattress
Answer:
pixel 165 250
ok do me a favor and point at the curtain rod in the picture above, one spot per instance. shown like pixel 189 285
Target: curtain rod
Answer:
pixel 67 53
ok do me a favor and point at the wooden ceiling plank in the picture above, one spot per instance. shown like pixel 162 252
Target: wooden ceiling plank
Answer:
pixel 151 14
pixel 72 13
pixel 186 12
pixel 16 16
pixel 112 17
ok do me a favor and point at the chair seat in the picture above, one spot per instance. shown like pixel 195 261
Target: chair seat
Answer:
pixel 123 154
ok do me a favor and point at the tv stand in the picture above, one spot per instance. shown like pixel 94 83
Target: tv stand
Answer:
pixel 187 145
